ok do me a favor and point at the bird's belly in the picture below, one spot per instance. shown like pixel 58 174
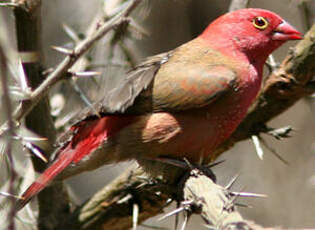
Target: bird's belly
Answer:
pixel 191 135
pixel 179 135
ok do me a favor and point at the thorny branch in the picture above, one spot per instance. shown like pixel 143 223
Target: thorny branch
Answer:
pixel 72 56
pixel 215 204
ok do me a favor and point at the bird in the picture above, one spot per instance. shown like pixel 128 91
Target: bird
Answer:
pixel 178 104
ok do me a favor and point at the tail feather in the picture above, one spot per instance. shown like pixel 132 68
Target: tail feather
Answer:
pixel 45 178
pixel 89 135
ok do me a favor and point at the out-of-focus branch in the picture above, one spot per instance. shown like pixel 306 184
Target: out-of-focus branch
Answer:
pixel 283 88
pixel 305 13
pixel 72 56
pixel 7 108
pixel 238 4
pixel 29 43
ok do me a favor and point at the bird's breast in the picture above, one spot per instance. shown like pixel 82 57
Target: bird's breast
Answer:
pixel 196 133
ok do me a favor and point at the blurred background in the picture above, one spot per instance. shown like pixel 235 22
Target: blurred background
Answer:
pixel 161 25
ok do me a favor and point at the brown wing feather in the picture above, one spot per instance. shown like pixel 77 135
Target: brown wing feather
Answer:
pixel 194 88
pixel 193 77
pixel 137 80
pixel 120 98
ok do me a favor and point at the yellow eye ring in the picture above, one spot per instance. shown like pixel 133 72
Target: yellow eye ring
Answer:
pixel 260 23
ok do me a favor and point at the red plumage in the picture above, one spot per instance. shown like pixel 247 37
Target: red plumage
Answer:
pixel 89 135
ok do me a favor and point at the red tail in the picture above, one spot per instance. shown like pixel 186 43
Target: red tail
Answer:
pixel 44 179
pixel 88 137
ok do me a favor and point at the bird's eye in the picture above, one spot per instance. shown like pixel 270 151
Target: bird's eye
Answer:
pixel 260 23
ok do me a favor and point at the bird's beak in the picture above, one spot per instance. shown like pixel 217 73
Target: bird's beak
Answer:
pixel 285 31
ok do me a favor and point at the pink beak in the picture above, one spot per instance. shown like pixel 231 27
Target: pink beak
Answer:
pixel 285 32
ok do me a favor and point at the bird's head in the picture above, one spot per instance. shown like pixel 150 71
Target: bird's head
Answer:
pixel 256 32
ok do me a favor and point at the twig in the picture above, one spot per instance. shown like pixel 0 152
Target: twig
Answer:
pixel 60 71
pixel 84 97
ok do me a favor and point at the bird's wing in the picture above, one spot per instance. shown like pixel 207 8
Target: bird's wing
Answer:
pixel 137 80
pixel 191 77
pixel 192 86
pixel 119 98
